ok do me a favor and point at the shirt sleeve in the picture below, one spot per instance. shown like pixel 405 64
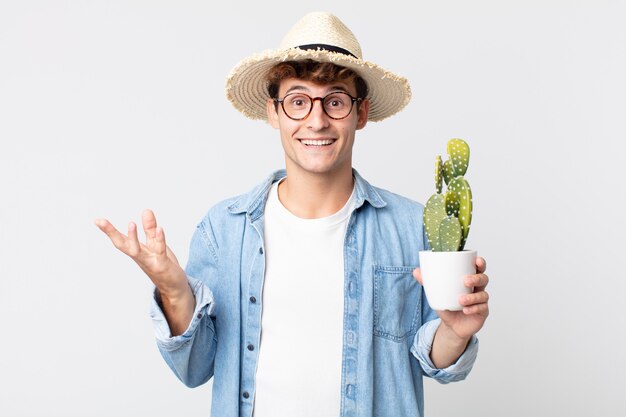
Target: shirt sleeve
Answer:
pixel 422 345
pixel 191 355
pixel 204 306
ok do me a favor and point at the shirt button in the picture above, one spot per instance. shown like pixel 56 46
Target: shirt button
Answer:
pixel 253 299
pixel 199 316
pixel 261 251
pixel 250 347
pixel 246 395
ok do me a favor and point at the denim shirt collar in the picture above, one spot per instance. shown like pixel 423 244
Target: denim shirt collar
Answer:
pixel 253 203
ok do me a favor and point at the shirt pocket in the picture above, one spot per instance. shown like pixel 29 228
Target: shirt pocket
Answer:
pixel 397 302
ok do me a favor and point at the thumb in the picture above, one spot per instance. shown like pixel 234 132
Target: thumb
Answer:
pixel 417 274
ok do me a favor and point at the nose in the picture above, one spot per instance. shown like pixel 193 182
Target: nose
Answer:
pixel 317 119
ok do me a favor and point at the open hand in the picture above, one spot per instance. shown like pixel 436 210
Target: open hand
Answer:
pixel 153 257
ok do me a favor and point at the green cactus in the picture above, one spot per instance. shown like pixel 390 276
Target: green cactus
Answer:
pixel 459 187
pixel 438 174
pixel 450 234
pixel 459 153
pixel 447 218
pixel 453 202
pixel 448 171
pixel 434 213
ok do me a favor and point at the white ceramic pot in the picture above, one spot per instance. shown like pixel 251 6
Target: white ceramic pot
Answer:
pixel 442 275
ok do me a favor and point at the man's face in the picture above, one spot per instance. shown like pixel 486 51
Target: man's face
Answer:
pixel 318 144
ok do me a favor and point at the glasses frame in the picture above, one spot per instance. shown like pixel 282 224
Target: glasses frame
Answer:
pixel 313 100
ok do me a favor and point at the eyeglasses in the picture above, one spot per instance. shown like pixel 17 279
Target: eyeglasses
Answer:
pixel 337 105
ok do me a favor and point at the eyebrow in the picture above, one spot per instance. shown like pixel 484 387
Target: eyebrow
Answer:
pixel 331 89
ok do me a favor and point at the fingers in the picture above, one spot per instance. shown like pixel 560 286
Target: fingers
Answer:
pixel 118 239
pixel 133 244
pixel 482 309
pixel 475 303
pixel 481 265
pixel 478 301
pixel 160 247
pixel 152 257
pixel 477 281
pixel 474 298
pixel 151 230
pixel 149 224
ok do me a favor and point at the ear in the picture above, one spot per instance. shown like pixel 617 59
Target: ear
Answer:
pixel 364 111
pixel 272 116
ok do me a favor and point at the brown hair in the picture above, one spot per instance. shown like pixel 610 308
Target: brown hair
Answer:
pixel 317 72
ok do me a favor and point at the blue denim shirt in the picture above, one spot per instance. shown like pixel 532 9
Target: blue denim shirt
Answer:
pixel 388 324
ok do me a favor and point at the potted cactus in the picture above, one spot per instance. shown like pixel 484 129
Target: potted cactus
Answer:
pixel 447 219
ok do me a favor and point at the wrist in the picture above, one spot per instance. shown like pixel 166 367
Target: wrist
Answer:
pixel 175 289
pixel 451 338
pixel 177 304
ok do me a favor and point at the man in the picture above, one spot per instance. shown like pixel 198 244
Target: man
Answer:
pixel 301 297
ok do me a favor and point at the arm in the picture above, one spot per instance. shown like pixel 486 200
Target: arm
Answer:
pixel 447 347
pixel 182 306
pixel 454 332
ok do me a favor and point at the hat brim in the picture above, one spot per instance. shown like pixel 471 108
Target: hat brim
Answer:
pixel 246 85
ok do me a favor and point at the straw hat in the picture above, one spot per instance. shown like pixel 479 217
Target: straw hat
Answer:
pixel 321 37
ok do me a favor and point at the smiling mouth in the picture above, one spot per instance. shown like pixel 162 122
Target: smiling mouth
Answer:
pixel 317 142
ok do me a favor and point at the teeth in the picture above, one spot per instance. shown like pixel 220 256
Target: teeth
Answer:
pixel 317 142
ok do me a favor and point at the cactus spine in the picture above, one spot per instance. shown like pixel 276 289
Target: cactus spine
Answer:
pixel 447 217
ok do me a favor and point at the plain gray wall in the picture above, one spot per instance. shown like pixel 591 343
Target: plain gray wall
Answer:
pixel 110 107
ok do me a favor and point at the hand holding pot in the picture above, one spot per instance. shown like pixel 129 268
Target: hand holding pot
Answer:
pixel 468 321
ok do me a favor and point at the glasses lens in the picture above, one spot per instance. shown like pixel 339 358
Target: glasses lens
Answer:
pixel 297 105
pixel 338 105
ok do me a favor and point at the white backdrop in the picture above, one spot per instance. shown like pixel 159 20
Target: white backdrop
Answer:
pixel 110 107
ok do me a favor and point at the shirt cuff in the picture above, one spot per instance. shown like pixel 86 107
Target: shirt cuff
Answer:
pixel 204 307
pixel 422 345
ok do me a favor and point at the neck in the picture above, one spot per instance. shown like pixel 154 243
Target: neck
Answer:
pixel 311 196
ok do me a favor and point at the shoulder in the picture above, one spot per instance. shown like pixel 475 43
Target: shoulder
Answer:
pixel 220 215
pixel 398 213
pixel 384 201
pixel 397 205
pixel 398 222
pixel 399 202
pixel 250 203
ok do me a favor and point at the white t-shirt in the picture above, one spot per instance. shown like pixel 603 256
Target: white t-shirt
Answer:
pixel 299 368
